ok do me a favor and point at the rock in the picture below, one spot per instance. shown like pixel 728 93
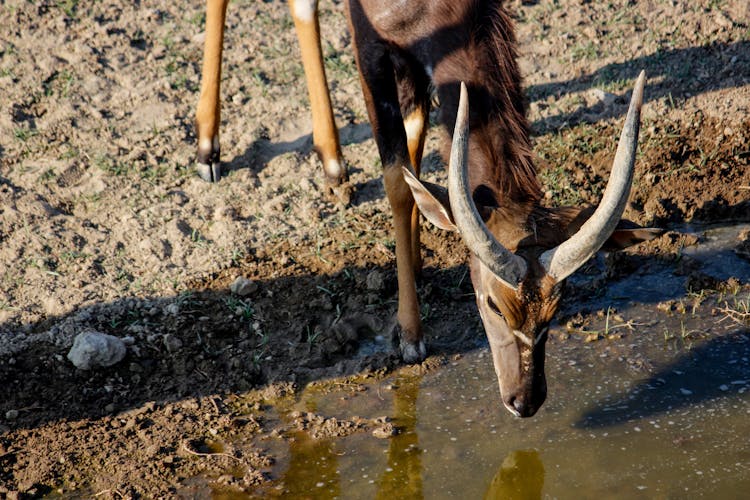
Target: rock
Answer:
pixel 242 286
pixel 172 309
pixel 172 343
pixel 93 349
pixel 375 281
pixel 605 98
pixel 11 414
pixel 384 431
pixel 592 337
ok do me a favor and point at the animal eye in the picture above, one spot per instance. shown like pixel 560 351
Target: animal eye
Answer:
pixel 493 307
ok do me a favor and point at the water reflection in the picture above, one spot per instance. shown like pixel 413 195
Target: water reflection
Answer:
pixel 315 466
pixel 403 476
pixel 312 471
pixel 520 477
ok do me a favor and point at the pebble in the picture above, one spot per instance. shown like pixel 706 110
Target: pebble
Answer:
pixel 375 281
pixel 172 343
pixel 384 431
pixel 172 309
pixel 242 286
pixel 11 414
pixel 92 349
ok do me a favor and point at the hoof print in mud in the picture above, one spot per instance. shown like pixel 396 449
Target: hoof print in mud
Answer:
pixel 341 193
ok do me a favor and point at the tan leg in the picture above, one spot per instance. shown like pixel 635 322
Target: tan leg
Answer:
pixel 416 127
pixel 325 133
pixel 402 205
pixel 208 115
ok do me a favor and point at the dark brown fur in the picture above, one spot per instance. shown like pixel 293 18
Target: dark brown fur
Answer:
pixel 403 46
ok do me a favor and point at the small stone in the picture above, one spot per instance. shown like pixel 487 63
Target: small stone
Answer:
pixel 93 349
pixel 110 408
pixel 11 414
pixel 606 98
pixel 592 337
pixel 172 309
pixel 384 431
pixel 242 286
pixel 375 281
pixel 172 343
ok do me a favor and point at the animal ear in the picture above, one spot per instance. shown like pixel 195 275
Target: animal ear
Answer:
pixel 627 233
pixel 625 237
pixel 432 201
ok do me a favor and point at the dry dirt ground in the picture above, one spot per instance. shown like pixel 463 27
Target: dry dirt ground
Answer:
pixel 105 226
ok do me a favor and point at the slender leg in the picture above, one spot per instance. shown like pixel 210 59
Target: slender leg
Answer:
pixel 325 133
pixel 415 125
pixel 208 115
pixel 381 96
pixel 413 84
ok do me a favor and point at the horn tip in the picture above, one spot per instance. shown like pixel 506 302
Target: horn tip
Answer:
pixel 640 83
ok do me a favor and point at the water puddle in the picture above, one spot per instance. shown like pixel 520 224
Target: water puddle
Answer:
pixel 657 406
pixel 676 427
pixel 714 255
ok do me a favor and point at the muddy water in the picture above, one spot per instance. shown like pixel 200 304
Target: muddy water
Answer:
pixel 674 424
pixel 657 407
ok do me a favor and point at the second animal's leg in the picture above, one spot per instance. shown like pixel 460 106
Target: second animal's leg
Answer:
pixel 208 114
pixel 325 133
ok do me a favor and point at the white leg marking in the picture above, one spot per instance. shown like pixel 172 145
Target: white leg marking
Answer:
pixel 304 10
pixel 333 168
pixel 413 124
pixel 207 144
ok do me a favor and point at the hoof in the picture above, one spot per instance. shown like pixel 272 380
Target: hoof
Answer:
pixel 413 353
pixel 209 172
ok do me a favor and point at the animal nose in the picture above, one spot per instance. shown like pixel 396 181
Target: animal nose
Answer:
pixel 517 405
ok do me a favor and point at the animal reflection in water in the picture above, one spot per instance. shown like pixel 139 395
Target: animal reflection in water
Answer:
pixel 520 476
pixel 403 477
pixel 313 463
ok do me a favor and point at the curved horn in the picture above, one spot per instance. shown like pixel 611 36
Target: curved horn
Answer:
pixel 562 261
pixel 506 266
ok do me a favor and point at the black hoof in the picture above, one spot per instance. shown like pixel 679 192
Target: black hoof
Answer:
pixel 209 172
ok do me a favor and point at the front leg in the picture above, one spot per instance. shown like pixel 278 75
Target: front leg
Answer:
pixel 208 114
pixel 325 133
pixel 381 96
pixel 411 341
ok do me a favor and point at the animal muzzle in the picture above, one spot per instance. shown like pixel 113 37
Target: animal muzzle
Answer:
pixel 526 400
pixel 520 375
